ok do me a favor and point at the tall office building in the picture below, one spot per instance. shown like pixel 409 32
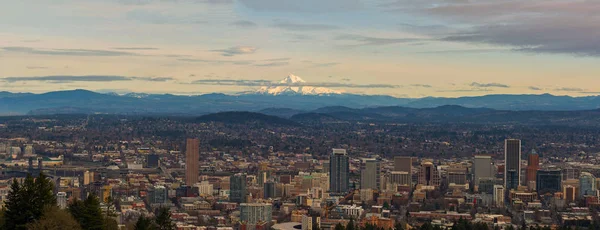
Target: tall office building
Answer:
pixel 192 157
pixel 370 176
pixel 253 214
pixel 587 184
pixel 403 164
pixel 61 200
pixel 269 190
pixel 400 178
pixel 152 161
pixel 549 181
pixel 457 175
pixel 482 168
pixel 339 169
pixel 499 195
pixel 533 164
pixel 237 188
pixel 158 195
pixel 429 175
pixel 512 164
pixel 88 178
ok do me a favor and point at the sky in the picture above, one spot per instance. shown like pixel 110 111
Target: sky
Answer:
pixel 402 48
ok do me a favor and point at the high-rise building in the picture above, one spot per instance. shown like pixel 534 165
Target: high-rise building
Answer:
pixel 158 195
pixel 237 188
pixel 192 157
pixel 61 200
pixel 88 177
pixel 571 173
pixel 205 188
pixel 533 164
pixel 512 164
pixel 569 193
pixel 269 189
pixel 253 214
pixel 370 174
pixel 339 169
pixel 499 195
pixel 429 175
pixel 482 168
pixel 549 181
pixel 457 175
pixel 308 222
pixel 152 161
pixel 403 164
pixel 400 178
pixel 587 184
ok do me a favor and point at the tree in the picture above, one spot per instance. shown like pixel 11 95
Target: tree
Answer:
pixel 27 202
pixel 163 220
pixel 398 226
pixel 143 223
pixel 339 226
pixel 88 213
pixel 351 225
pixel 54 218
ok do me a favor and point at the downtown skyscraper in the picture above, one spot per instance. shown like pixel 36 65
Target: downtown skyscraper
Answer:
pixel 339 170
pixel 512 164
pixel 192 157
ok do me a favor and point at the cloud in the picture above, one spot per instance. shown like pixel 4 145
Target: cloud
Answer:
pixel 273 64
pixel 569 89
pixel 304 6
pixel 278 59
pixel 219 62
pixel 237 50
pixel 535 26
pixel 37 67
pixel 304 27
pixel 327 64
pixel 86 78
pixel 345 79
pixel 463 90
pixel 489 85
pixel 67 52
pixel 163 18
pixel 147 2
pixel 421 85
pixel 244 24
pixel 135 48
pixel 232 82
pixel 374 41
pixel 535 88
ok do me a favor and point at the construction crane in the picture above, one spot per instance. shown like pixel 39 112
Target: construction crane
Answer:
pixel 328 208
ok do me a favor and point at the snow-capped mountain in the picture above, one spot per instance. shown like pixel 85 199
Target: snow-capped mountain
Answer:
pixel 294 85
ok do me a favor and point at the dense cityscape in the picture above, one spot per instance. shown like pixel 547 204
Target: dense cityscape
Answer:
pixel 256 175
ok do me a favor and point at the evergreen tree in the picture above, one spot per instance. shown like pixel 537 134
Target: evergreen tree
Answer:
pixel 339 227
pixel 88 213
pixel 13 215
pixel 143 223
pixel 26 202
pixel 351 225
pixel 399 226
pixel 163 220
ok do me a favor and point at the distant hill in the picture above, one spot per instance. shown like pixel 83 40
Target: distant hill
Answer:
pixel 281 112
pixel 245 118
pixel 285 105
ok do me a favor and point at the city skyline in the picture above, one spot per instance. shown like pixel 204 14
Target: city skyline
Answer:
pixel 401 48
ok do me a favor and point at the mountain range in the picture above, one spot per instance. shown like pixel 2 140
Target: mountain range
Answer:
pixel 84 101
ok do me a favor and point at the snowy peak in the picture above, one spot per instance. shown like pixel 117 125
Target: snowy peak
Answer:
pixel 292 79
pixel 294 85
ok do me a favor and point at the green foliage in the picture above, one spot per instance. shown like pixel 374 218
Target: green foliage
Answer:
pixel 163 220
pixel 143 223
pixel 88 213
pixel 54 218
pixel 26 202
pixel 339 227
